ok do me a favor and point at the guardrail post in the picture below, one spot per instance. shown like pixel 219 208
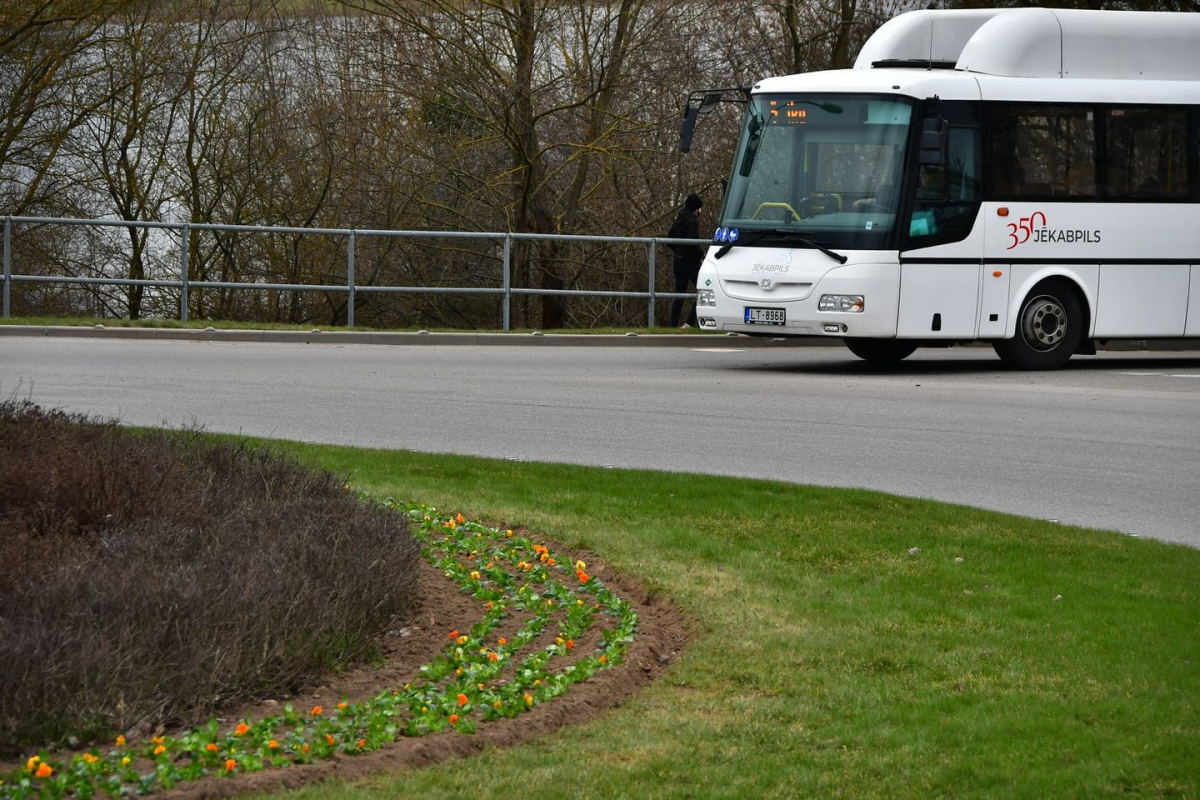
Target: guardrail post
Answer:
pixel 185 235
pixel 507 304
pixel 650 308
pixel 350 281
pixel 7 263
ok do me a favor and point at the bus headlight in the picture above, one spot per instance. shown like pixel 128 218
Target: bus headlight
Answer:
pixel 849 303
pixel 706 297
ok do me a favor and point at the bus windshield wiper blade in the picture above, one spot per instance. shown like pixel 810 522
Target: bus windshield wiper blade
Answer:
pixel 759 233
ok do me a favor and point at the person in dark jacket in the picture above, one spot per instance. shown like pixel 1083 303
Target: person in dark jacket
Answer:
pixel 688 257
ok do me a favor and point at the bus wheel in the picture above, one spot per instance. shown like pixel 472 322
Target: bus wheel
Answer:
pixel 1049 328
pixel 881 351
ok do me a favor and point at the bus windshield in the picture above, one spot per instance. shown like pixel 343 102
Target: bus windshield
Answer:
pixel 824 167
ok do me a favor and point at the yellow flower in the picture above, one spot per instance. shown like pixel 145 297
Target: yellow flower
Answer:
pixel 475 575
pixel 528 699
pixel 125 761
pixel 32 763
pixel 508 534
pixel 579 565
pixel 120 741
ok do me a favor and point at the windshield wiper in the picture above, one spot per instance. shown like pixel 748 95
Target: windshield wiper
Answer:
pixel 791 236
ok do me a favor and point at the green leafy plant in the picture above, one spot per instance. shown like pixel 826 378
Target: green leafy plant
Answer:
pixel 479 676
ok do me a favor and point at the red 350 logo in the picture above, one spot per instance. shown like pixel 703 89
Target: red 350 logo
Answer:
pixel 1020 231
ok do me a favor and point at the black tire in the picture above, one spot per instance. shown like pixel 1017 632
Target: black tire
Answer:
pixel 881 351
pixel 1049 328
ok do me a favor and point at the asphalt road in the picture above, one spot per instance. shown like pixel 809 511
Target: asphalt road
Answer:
pixel 1111 442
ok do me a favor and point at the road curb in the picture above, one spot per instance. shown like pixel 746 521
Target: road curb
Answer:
pixel 684 340
pixel 408 338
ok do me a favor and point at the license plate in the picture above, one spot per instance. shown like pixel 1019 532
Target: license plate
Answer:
pixel 765 316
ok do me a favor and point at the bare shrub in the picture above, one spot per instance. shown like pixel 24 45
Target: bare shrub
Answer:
pixel 154 577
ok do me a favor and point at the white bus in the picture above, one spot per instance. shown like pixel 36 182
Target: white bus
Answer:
pixel 1025 177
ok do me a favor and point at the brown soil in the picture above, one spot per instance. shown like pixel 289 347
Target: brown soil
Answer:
pixel 661 635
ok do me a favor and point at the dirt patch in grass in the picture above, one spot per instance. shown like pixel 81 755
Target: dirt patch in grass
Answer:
pixel 661 636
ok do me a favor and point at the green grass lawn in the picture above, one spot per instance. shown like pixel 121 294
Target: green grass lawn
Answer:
pixel 826 660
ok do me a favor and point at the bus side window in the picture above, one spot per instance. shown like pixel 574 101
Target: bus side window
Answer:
pixel 1147 154
pixel 948 198
pixel 1040 152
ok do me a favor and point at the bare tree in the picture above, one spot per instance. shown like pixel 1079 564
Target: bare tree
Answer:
pixel 44 62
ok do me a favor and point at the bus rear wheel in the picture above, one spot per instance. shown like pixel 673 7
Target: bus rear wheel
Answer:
pixel 881 351
pixel 1049 328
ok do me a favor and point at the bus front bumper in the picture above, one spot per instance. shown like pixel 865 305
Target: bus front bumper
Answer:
pixel 866 295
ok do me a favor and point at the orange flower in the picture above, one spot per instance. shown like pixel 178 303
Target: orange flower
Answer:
pixel 460 519
pixel 342 706
pixel 89 758
pixel 583 576
pixel 603 659
pixel 44 770
pixel 317 711
pixel 329 739
pixel 570 643
pixel 463 640
pixel 493 657
pixel 304 749
pixel 528 699
pixel 273 745
pixel 362 743
pixel 462 699
pixel 453 635
pixel 158 751
pixel 230 765
pixel 502 641
pixel 241 730
pixel 156 740
pixel 454 719
pixel 120 741
pixel 212 748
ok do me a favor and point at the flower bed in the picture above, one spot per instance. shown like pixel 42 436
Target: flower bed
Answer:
pixel 544 626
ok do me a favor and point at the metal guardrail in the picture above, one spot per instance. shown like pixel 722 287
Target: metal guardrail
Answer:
pixel 506 290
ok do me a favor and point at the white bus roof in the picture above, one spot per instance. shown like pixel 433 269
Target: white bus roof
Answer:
pixel 960 85
pixel 1043 43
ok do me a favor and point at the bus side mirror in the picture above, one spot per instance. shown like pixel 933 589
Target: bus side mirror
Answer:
pixel 709 102
pixel 687 128
pixel 934 135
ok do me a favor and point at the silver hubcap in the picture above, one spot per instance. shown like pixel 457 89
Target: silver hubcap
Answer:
pixel 1044 322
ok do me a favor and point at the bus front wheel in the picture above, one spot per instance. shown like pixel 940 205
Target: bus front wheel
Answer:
pixel 881 351
pixel 1049 328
